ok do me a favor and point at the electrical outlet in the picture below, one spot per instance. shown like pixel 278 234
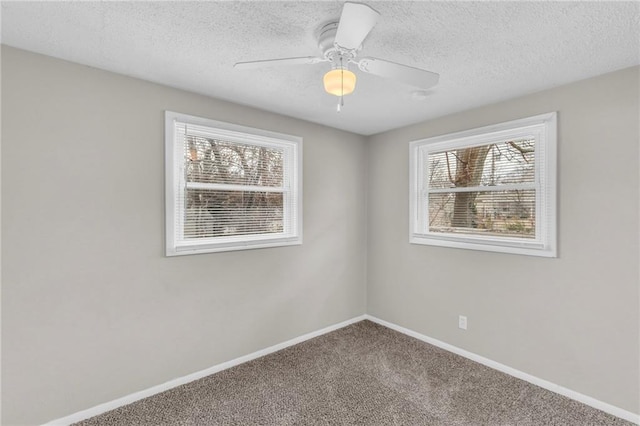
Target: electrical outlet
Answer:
pixel 462 322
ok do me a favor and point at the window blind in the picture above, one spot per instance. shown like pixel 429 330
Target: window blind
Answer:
pixel 487 189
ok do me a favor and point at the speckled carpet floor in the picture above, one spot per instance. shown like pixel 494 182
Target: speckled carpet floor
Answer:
pixel 363 374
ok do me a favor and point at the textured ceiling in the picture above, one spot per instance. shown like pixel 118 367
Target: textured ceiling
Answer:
pixel 483 51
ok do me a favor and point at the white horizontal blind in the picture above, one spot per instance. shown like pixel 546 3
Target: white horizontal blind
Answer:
pixel 232 190
pixel 488 189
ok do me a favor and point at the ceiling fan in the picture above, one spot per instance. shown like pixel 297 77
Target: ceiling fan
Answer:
pixel 340 43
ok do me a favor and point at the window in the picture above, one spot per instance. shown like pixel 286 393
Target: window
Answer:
pixel 491 188
pixel 230 187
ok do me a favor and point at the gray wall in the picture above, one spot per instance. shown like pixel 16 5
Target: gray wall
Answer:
pixel 573 320
pixel 91 309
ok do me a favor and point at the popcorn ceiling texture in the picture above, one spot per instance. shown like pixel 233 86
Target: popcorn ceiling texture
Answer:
pixel 364 374
pixel 484 51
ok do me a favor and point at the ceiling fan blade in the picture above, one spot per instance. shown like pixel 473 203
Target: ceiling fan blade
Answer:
pixel 356 22
pixel 403 73
pixel 303 60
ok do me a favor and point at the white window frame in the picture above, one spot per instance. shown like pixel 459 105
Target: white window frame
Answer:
pixel 543 129
pixel 175 243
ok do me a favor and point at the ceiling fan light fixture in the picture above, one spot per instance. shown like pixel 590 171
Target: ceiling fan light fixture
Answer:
pixel 339 82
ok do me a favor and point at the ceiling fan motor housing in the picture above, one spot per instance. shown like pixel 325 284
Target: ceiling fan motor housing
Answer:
pixel 338 57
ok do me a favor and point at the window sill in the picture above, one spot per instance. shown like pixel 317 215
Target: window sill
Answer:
pixel 235 246
pixel 521 247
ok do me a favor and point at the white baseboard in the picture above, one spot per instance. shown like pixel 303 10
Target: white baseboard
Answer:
pixel 587 400
pixel 111 405
pixel 136 396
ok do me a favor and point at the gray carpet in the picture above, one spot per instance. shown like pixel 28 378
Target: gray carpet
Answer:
pixel 363 374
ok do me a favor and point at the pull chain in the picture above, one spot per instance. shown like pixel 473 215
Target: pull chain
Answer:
pixel 341 102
